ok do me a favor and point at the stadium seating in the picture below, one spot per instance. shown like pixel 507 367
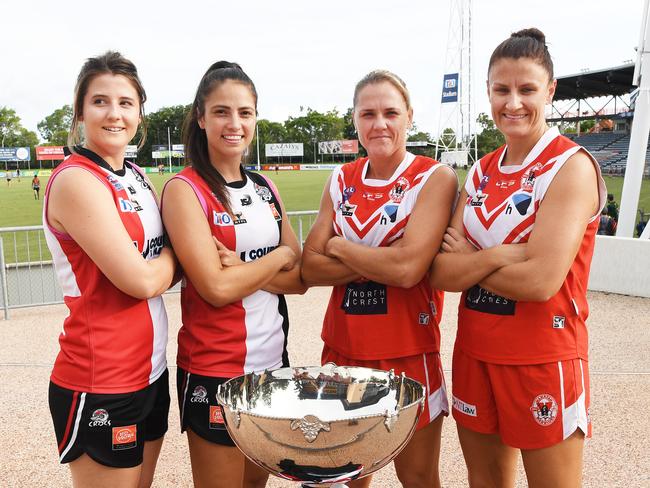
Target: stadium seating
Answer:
pixel 610 149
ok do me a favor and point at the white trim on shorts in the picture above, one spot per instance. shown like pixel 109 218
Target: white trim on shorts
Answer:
pixel 73 437
pixel 437 400
pixel 574 416
pixel 187 385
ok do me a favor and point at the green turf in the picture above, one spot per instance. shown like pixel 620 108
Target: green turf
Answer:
pixel 300 190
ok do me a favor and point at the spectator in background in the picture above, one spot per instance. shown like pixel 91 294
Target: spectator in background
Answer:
pixel 612 207
pixel 18 173
pixel 36 186
pixel 607 225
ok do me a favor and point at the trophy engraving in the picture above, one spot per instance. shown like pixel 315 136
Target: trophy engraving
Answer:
pixel 310 426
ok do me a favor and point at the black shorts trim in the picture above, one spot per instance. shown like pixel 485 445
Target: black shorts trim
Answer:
pixel 199 410
pixel 110 428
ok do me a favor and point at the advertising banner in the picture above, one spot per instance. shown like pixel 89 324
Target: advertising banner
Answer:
pixel 450 88
pixel 350 146
pixel 280 167
pixel 131 151
pixel 161 151
pixel 318 167
pixel 417 143
pixel 14 154
pixel 49 152
pixel 284 149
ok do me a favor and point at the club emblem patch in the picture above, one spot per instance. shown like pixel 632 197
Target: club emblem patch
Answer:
pixel 397 192
pixel 528 178
pixel 544 409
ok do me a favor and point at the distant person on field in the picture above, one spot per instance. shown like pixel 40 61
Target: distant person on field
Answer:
pixel 612 207
pixel 161 169
pixel 36 186
pixel 607 225
pixel 8 178
pixel 18 173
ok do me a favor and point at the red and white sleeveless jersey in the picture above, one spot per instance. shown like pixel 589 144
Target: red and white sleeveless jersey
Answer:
pixel 501 207
pixel 365 319
pixel 249 334
pixel 111 342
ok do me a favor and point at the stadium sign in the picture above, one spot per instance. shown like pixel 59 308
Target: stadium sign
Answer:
pixel 339 147
pixel 131 151
pixel 417 143
pixel 284 149
pixel 49 152
pixel 450 88
pixel 14 154
pixel 161 151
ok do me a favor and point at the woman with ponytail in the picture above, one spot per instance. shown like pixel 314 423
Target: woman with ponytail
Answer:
pixel 234 313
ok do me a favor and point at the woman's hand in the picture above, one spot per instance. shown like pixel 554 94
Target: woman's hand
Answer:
pixel 454 242
pixel 227 256
pixel 290 256
pixel 332 246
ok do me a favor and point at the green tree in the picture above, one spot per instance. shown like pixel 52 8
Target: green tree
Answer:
pixel 13 134
pixel 490 137
pixel 157 124
pixel 314 127
pixel 419 135
pixel 270 133
pixel 55 127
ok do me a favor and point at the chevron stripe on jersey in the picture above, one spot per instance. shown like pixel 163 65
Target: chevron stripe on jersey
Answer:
pixel 501 207
pixel 111 342
pixel 249 334
pixel 368 320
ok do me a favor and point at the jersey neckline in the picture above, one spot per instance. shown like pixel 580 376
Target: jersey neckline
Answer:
pixel 537 149
pixel 408 159
pixel 97 159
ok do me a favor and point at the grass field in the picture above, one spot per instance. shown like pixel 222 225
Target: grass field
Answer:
pixel 300 190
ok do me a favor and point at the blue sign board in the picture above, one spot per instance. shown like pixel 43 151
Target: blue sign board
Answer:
pixel 450 88
pixel 15 154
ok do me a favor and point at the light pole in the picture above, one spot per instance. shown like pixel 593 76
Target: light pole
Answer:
pixel 169 150
pixel 314 150
pixel 257 138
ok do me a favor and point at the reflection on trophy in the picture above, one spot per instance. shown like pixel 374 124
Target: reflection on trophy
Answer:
pixel 322 426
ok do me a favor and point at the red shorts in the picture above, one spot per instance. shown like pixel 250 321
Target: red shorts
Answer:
pixel 529 406
pixel 425 368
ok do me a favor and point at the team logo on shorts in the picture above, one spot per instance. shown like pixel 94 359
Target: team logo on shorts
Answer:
pixel 544 409
pixel 216 417
pixel 263 192
pixel 125 437
pixel 397 192
pixel 199 395
pixel 99 418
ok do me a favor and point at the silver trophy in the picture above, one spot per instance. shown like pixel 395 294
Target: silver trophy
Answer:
pixel 322 426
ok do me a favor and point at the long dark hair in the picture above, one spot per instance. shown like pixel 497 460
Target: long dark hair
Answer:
pixel 195 139
pixel 111 62
pixel 526 43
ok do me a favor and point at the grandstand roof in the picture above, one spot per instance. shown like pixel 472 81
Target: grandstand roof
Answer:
pixel 596 83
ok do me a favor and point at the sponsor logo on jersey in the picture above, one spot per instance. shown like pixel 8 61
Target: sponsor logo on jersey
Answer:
pixel 153 247
pixel 274 211
pixel 125 437
pixel 528 178
pixel 365 298
pixel 391 213
pixel 246 200
pixel 131 190
pixel 221 218
pixel 503 184
pixel 463 407
pixel 522 202
pixel 347 210
pixel 199 395
pixel 263 192
pixel 253 254
pixel 140 179
pixel 399 189
pixel 477 200
pixel 115 183
pixel 434 310
pixel 126 205
pixel 424 318
pixel 484 181
pixel 544 409
pixel 372 196
pixel 216 417
pixel 99 418
pixel 481 300
pixel 136 206
pixel 239 218
pixel 558 322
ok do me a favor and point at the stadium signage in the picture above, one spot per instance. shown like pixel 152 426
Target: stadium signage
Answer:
pixel 417 143
pixel 15 154
pixel 450 88
pixel 350 146
pixel 49 152
pixel 284 149
pixel 161 151
pixel 131 151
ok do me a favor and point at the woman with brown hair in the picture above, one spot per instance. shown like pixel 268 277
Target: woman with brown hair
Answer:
pixel 519 247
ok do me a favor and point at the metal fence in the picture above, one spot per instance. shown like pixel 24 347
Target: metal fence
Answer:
pixel 27 276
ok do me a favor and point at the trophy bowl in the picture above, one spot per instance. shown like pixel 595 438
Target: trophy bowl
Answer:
pixel 321 425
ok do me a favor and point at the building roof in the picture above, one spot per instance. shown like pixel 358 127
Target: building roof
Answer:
pixel 597 83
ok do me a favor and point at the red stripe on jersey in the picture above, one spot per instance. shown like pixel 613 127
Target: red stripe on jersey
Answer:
pixel 399 227
pixel 525 224
pixel 68 425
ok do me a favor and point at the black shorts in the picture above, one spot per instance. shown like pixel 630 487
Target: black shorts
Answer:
pixel 110 428
pixel 197 402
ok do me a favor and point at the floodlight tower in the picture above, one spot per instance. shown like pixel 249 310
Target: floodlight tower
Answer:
pixel 457 102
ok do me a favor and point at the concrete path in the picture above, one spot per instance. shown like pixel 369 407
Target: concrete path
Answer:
pixel 617 456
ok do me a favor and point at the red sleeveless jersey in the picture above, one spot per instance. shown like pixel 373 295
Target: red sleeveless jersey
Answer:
pixel 111 342
pixel 365 319
pixel 249 334
pixel 501 207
